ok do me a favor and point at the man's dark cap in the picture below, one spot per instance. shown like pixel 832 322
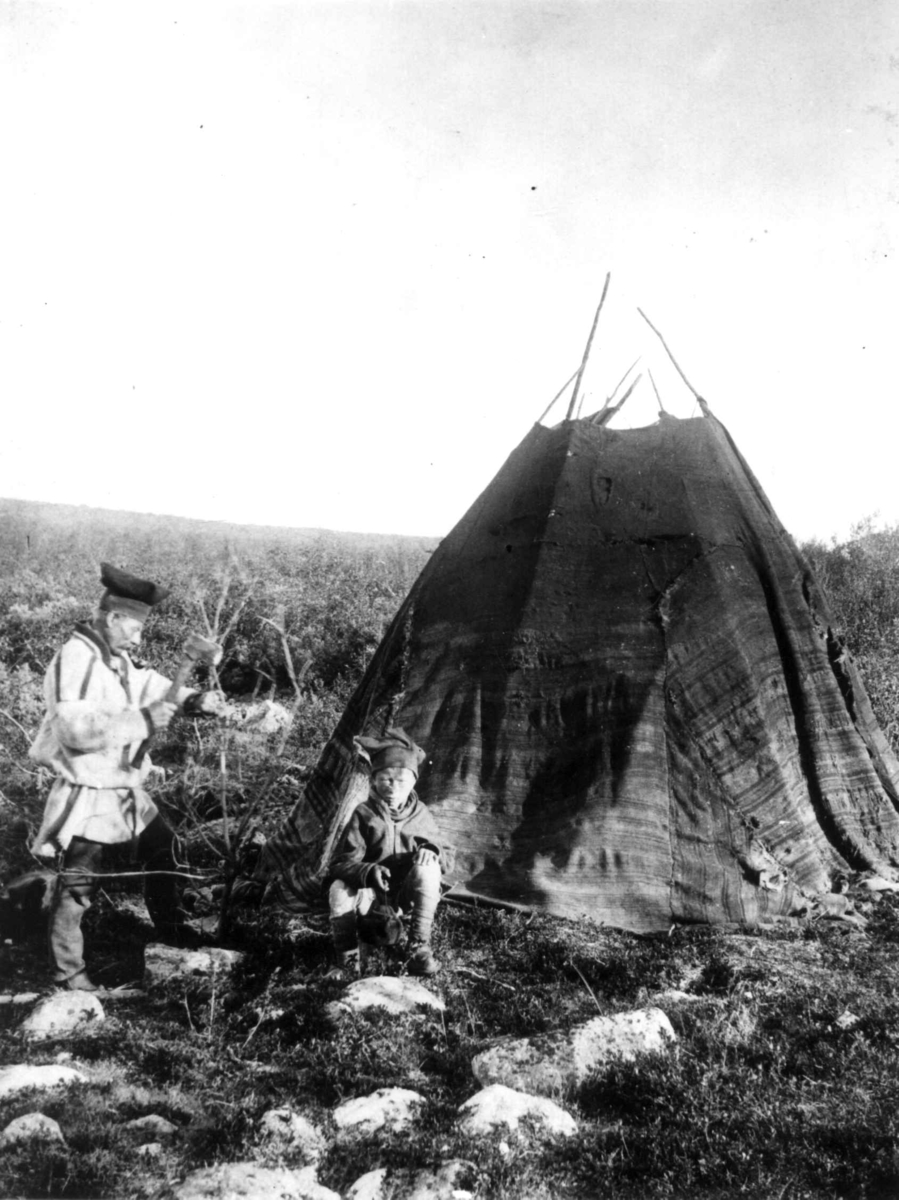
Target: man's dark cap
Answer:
pixel 127 593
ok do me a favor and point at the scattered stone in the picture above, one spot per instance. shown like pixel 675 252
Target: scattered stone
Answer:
pixel 392 1109
pixel 548 1064
pixel 152 1125
pixel 31 1127
pixel 498 1107
pixel 875 883
pixel 20 1077
pixel 395 993
pixel 847 1020
pixel 168 968
pixel 247 1181
pixel 260 716
pixel 371 1186
pixel 404 1184
pixel 149 1150
pixel 293 1132
pixel 60 1014
pixel 442 1184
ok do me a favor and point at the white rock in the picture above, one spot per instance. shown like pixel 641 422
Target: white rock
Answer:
pixel 31 1127
pixel 387 1108
pixel 371 1186
pixel 261 716
pixel 394 993
pixel 294 1132
pixel 171 968
pixel 876 883
pixel 498 1107
pixel 20 1077
pixel 153 1126
pixel 149 1150
pixel 384 1184
pixel 549 1063
pixel 441 1184
pixel 247 1181
pixel 847 1020
pixel 62 1013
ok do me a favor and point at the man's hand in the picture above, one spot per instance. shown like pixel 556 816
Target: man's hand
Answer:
pixel 161 712
pixel 424 856
pixel 380 878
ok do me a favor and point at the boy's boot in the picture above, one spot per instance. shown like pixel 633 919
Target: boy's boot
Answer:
pixel 423 889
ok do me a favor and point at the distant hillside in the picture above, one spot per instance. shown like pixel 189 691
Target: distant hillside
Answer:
pixel 33 521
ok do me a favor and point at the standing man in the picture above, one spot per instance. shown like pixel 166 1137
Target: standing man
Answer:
pixel 101 708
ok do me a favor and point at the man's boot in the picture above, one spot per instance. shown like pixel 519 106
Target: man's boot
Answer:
pixel 421 960
pixel 347 968
pixel 73 895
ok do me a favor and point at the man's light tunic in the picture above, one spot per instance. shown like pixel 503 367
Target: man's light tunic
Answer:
pixel 90 735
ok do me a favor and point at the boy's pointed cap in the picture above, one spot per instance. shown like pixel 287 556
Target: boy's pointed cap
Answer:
pixel 127 593
pixel 394 749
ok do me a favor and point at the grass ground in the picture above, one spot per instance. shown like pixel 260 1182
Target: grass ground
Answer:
pixel 785 1084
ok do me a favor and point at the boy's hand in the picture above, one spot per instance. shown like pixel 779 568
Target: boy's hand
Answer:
pixel 424 856
pixel 380 878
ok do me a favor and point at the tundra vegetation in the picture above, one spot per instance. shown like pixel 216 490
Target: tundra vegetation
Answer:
pixel 785 1082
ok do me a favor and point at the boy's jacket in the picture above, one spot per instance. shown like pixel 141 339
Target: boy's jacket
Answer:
pixel 373 837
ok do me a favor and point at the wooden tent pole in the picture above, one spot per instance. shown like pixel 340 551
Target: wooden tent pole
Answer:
pixel 656 390
pixel 701 402
pixel 580 373
pixel 615 390
pixel 556 397
pixel 605 415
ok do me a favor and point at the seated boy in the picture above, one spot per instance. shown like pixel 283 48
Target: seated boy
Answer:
pixel 391 847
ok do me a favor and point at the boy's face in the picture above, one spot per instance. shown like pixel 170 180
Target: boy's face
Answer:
pixel 393 785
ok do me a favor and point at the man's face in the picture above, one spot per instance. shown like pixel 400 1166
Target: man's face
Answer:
pixel 393 785
pixel 122 632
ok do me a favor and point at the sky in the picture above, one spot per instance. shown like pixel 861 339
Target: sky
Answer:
pixel 324 264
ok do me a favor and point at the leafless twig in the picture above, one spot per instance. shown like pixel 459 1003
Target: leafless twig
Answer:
pixel 24 732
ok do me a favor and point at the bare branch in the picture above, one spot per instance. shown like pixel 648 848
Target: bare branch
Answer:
pixel 24 732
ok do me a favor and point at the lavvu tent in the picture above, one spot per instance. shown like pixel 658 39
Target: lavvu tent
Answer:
pixel 634 701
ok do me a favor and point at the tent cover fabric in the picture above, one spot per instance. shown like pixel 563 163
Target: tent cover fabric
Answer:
pixel 635 705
